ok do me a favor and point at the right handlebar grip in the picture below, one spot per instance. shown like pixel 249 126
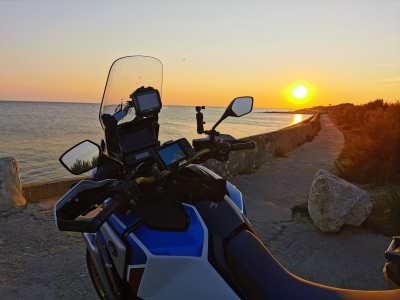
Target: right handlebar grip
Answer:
pixel 242 145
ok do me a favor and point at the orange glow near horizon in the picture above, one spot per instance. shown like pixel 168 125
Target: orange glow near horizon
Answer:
pixel 237 52
pixel 190 87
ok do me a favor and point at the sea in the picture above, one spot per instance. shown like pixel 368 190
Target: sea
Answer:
pixel 36 134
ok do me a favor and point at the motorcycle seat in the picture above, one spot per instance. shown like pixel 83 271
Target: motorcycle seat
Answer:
pixel 261 276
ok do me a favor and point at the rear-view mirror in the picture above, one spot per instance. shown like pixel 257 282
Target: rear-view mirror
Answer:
pixel 238 107
pixel 241 106
pixel 81 158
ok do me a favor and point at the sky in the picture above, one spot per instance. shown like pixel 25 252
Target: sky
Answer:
pixel 212 51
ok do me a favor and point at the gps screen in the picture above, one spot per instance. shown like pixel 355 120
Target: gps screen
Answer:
pixel 148 101
pixel 171 154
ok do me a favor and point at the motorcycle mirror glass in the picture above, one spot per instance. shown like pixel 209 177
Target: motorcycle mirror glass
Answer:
pixel 238 107
pixel 81 158
pixel 241 106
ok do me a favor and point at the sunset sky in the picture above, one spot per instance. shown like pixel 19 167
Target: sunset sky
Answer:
pixel 212 51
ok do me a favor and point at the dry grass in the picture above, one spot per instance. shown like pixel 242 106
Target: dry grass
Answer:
pixel 372 142
pixel 385 214
pixel 371 156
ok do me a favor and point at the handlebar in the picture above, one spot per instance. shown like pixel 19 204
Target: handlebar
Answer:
pixel 67 214
pixel 90 225
pixel 241 145
pixel 164 174
pixel 231 146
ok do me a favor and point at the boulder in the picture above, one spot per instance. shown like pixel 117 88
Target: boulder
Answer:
pixel 10 185
pixel 333 202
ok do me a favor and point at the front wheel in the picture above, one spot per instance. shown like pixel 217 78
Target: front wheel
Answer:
pixel 95 277
pixel 99 286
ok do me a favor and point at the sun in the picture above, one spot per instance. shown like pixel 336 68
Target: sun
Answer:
pixel 299 92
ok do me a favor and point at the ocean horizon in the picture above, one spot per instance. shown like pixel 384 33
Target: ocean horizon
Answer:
pixel 36 133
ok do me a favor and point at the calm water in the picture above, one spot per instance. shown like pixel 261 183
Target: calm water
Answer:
pixel 37 133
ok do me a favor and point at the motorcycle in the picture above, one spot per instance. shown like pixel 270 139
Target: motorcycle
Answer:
pixel 391 270
pixel 156 222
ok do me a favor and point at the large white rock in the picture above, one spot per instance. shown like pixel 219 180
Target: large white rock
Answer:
pixel 333 202
pixel 10 184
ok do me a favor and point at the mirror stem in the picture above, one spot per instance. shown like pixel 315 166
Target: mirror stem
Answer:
pixel 219 122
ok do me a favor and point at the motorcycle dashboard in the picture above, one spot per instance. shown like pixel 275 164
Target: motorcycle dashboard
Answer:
pixel 129 140
pixel 137 144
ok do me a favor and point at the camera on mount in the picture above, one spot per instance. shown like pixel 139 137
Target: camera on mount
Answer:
pixel 147 101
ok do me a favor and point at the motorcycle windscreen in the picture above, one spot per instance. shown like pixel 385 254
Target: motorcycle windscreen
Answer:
pixel 126 75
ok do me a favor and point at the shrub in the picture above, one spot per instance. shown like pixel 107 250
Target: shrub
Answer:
pixel 372 148
pixel 385 214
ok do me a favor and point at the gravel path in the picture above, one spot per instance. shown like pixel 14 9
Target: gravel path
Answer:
pixel 39 262
pixel 352 258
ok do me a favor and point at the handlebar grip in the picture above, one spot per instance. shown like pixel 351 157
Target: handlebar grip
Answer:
pixel 106 212
pixel 88 225
pixel 91 225
pixel 238 145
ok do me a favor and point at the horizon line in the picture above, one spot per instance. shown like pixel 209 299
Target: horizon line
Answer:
pixel 96 103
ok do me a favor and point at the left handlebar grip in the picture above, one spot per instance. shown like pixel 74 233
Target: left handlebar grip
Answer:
pixel 116 201
pixel 91 225
pixel 88 225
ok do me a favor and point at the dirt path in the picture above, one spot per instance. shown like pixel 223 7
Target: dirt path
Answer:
pixel 39 262
pixel 352 258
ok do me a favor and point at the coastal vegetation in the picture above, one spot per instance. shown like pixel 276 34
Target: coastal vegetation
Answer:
pixel 371 157
pixel 372 142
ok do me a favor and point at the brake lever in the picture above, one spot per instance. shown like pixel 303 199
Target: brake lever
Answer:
pixel 89 209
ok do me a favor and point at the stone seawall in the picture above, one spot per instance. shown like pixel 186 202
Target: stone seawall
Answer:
pixel 39 191
pixel 269 145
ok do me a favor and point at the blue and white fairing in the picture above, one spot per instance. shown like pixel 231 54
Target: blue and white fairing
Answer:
pixel 160 264
pixel 177 263
pixel 163 264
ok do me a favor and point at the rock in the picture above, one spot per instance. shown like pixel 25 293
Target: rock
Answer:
pixel 333 202
pixel 10 185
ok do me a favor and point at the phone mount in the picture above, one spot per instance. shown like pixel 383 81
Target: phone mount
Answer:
pixel 199 118
pixel 200 124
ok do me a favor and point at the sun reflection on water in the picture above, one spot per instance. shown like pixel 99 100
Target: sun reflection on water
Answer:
pixel 296 119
